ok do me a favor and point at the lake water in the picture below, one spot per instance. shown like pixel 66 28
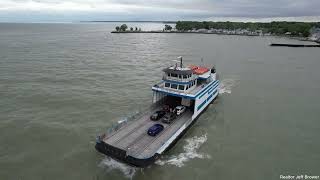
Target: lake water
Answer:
pixel 62 84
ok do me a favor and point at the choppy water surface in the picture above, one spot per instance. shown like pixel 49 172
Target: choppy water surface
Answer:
pixel 62 84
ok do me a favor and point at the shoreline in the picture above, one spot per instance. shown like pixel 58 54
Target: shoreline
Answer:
pixel 177 32
pixel 186 32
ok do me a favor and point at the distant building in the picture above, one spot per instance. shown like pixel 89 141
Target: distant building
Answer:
pixel 315 34
pixel 202 30
pixel 259 32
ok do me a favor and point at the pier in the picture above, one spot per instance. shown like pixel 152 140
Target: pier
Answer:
pixel 294 45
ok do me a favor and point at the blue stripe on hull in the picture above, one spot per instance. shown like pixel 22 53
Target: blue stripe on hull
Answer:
pixel 206 100
pixel 214 83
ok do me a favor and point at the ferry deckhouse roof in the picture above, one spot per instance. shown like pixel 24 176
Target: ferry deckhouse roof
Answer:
pixel 178 70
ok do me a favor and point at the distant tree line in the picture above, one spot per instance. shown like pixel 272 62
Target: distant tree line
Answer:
pixel 124 27
pixel 277 28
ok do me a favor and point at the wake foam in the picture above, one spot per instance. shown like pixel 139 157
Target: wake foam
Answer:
pixel 123 120
pixel 111 164
pixel 190 152
pixel 226 85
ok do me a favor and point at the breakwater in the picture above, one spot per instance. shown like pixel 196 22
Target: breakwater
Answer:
pixel 295 45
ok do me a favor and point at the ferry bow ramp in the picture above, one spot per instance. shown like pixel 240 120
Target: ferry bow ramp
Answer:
pixel 178 100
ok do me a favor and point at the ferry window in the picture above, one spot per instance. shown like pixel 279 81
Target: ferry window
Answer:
pixel 187 87
pixel 169 74
pixel 174 86
pixel 181 87
pixel 185 77
pixel 174 75
pixel 167 84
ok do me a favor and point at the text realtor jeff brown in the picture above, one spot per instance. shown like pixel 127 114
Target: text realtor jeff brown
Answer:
pixel 299 177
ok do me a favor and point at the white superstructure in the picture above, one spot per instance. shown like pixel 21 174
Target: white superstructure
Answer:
pixel 194 86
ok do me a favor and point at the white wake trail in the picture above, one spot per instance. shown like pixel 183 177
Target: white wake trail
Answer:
pixel 111 164
pixel 190 152
pixel 226 85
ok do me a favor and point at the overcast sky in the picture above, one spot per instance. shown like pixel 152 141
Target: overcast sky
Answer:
pixel 77 10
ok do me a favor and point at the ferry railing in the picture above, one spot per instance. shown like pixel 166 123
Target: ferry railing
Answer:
pixel 188 113
pixel 136 116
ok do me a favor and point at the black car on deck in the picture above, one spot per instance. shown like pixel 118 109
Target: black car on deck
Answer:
pixel 157 115
pixel 169 117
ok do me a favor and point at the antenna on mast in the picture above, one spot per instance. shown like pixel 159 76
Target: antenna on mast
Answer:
pixel 180 57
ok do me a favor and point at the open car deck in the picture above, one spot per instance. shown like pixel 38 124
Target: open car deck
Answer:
pixel 134 140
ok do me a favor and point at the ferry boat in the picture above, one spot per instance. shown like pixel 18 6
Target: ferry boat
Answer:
pixel 191 87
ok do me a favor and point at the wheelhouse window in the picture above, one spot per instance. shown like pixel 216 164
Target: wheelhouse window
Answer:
pixel 166 84
pixel 174 86
pixel 174 75
pixel 181 87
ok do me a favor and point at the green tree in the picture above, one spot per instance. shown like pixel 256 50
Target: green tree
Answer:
pixel 117 28
pixel 167 27
pixel 131 28
pixel 123 27
pixel 306 33
pixel 206 25
pixel 136 29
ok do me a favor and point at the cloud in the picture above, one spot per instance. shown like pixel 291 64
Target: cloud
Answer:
pixel 158 9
